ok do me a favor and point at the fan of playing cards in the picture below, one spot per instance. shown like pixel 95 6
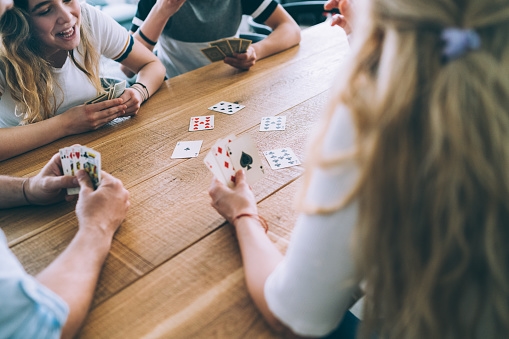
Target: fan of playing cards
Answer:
pixel 220 49
pixel 231 154
pixel 111 93
pixel 78 157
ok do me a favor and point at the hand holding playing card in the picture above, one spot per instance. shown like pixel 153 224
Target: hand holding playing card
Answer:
pixel 49 185
pixel 244 60
pixel 230 154
pixel 230 202
pixel 84 118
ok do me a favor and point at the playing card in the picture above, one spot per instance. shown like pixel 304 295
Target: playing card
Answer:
pixel 277 123
pixel 224 46
pixel 118 89
pixel 214 167
pixel 235 44
pixel 226 107
pixel 220 153
pixel 245 43
pixel 201 123
pixel 187 149
pixel 91 162
pixel 213 53
pixel 281 158
pixel 101 97
pixel 244 154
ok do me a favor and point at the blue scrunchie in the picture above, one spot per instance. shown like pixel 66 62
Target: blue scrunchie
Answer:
pixel 458 42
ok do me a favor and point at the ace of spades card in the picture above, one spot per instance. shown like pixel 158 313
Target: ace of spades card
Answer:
pixel 244 154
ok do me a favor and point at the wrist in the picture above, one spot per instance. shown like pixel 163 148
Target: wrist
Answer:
pixel 25 189
pixel 252 216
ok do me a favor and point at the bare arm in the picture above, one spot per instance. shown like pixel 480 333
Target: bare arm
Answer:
pixel 74 274
pixel 285 34
pixel 79 119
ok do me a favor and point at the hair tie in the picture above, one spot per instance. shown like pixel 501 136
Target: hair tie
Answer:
pixel 459 41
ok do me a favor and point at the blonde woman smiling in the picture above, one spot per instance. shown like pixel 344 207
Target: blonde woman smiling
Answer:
pixel 49 66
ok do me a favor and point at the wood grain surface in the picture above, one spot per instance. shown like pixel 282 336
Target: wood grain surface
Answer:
pixel 174 270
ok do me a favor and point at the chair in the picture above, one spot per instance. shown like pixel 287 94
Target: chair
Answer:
pixel 305 13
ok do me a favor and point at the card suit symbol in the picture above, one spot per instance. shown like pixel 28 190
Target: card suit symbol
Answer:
pixel 201 122
pixel 266 128
pixel 195 125
pixel 246 160
pixel 277 165
pixel 220 150
pixel 291 162
pixel 271 152
pixel 232 178
pixel 226 164
pixel 273 156
pixel 187 149
pixel 195 128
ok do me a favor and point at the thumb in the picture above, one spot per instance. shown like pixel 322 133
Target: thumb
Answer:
pixel 240 177
pixel 61 182
pixel 84 181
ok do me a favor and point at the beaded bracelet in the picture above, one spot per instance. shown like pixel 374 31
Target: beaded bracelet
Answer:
pixel 259 218
pixel 23 190
pixel 145 87
pixel 147 40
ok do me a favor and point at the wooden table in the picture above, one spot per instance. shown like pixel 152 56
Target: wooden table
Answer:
pixel 175 270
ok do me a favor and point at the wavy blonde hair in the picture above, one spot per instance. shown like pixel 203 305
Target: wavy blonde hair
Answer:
pixel 20 52
pixel 432 145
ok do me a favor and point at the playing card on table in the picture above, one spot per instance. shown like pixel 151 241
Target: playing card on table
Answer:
pixel 224 46
pixel 244 154
pixel 281 158
pixel 277 123
pixel 213 53
pixel 226 107
pixel 187 149
pixel 201 123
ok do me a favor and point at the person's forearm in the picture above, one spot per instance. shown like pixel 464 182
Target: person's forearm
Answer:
pixel 260 257
pixel 286 35
pixel 153 26
pixel 74 274
pixel 20 139
pixel 11 192
pixel 152 76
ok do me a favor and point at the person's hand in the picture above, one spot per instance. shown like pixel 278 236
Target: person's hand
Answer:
pixel 344 19
pixel 232 202
pixel 167 8
pixel 105 208
pixel 49 186
pixel 133 100
pixel 242 60
pixel 88 117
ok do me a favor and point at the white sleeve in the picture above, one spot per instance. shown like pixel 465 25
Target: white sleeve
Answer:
pixel 111 39
pixel 311 288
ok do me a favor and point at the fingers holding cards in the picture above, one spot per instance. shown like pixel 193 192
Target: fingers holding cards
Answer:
pixel 220 49
pixel 75 158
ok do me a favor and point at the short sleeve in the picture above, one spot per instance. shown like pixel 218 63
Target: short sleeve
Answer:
pixel 27 308
pixel 260 10
pixel 311 289
pixel 111 39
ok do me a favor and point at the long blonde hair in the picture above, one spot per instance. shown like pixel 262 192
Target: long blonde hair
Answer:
pixel 28 75
pixel 432 146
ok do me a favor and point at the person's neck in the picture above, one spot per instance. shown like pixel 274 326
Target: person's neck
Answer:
pixel 58 58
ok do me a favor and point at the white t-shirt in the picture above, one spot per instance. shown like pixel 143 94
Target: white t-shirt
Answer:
pixel 109 38
pixel 311 288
